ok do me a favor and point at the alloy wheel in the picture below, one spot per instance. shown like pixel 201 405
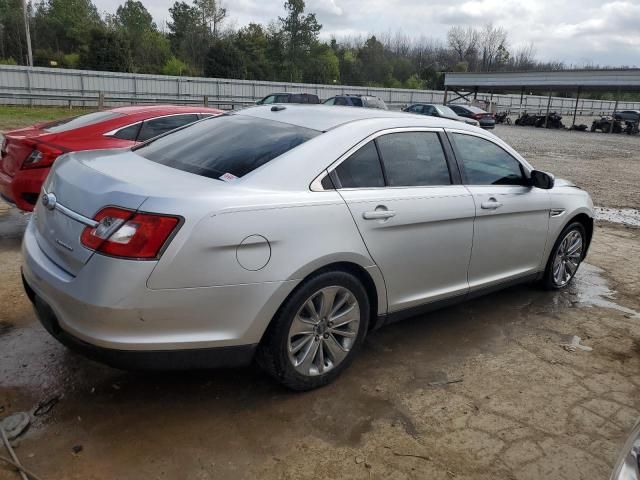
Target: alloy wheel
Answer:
pixel 323 331
pixel 567 258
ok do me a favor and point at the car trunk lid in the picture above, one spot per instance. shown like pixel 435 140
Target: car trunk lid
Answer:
pixel 84 183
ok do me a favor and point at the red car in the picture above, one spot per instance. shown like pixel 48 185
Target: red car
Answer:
pixel 27 154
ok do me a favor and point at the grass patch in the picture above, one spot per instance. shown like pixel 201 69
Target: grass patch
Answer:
pixel 12 117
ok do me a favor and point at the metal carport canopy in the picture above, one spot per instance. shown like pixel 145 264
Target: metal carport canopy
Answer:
pixel 609 80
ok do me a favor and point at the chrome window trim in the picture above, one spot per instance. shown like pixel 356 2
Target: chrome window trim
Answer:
pixel 316 184
pixel 111 133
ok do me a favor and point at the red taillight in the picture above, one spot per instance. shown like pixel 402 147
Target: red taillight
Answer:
pixel 43 155
pixel 124 233
pixel 477 116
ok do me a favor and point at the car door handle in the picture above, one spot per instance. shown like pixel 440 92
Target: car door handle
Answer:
pixel 378 214
pixel 491 204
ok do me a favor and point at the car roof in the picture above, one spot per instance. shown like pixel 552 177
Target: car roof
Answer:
pixel 327 117
pixel 136 109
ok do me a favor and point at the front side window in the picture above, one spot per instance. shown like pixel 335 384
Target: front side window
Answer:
pixel 485 163
pixel 362 169
pixel 268 100
pixel 356 101
pixel 158 126
pixel 225 146
pixel 282 99
pixel 330 101
pixel 341 101
pixel 413 159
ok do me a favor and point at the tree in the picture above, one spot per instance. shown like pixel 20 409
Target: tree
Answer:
pixel 212 14
pixel 150 49
pixel 375 67
pixel 107 51
pixel 322 67
pixel 174 67
pixel 224 61
pixel 493 40
pixel 300 34
pixel 464 43
pixel 186 33
pixel 65 25
pixel 12 35
pixel 252 41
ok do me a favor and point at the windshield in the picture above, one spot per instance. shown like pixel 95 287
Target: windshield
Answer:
pixel 445 111
pixel 81 121
pixel 225 147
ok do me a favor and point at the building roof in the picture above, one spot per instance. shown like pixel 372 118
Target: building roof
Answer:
pixel 609 80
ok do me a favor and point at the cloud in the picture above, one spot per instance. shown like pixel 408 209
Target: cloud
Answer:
pixel 606 32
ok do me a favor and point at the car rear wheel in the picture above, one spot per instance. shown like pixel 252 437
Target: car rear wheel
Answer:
pixel 317 331
pixel 566 256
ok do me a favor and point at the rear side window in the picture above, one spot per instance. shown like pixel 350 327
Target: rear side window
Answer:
pixel 128 133
pixel 158 126
pixel 225 146
pixel 413 159
pixel 485 163
pixel 362 169
pixel 81 121
pixel 341 101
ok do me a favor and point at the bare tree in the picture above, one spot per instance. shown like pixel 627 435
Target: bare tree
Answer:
pixel 493 44
pixel 464 42
pixel 213 14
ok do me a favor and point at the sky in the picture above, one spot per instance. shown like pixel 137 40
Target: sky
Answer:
pixel 578 32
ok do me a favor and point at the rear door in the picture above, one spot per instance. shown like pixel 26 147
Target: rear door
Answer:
pixel 512 218
pixel 414 216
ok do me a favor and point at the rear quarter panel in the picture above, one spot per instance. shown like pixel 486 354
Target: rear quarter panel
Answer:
pixel 304 231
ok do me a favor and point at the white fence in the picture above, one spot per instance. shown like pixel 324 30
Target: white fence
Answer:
pixel 52 86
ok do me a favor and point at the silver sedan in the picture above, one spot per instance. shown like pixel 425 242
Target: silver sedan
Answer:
pixel 285 233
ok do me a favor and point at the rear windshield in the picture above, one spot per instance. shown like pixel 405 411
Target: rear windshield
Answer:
pixel 445 111
pixel 81 121
pixel 474 109
pixel 225 147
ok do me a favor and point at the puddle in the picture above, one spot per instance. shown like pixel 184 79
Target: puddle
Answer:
pixel 591 289
pixel 625 216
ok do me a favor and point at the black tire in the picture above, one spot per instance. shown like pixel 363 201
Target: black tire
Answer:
pixel 547 280
pixel 272 355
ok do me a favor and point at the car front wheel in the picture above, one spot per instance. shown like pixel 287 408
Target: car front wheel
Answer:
pixel 317 331
pixel 566 256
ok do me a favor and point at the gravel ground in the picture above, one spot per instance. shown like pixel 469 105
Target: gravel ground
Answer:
pixel 607 165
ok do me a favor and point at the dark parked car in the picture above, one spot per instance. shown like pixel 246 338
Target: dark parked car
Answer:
pixel 628 115
pixel 486 119
pixel 289 98
pixel 366 101
pixel 439 111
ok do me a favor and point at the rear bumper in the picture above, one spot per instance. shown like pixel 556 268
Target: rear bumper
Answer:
pixel 198 358
pixel 23 188
pixel 107 308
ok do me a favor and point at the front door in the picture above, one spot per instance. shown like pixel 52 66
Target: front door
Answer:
pixel 512 218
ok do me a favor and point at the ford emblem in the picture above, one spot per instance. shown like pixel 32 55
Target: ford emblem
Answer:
pixel 49 201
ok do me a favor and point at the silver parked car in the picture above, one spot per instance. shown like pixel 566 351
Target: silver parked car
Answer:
pixel 285 234
pixel 441 111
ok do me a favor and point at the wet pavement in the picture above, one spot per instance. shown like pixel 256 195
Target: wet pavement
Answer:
pixel 480 390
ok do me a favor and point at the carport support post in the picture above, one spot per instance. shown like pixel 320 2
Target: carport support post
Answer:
pixel 475 93
pixel 575 109
pixel 546 118
pixel 615 109
pixel 444 102
pixel 521 97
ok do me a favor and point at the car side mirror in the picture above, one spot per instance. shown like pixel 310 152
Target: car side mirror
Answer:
pixel 542 180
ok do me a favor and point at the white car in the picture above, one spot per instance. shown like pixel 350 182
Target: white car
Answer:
pixel 286 233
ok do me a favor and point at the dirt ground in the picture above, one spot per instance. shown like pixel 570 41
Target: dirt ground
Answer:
pixel 482 390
